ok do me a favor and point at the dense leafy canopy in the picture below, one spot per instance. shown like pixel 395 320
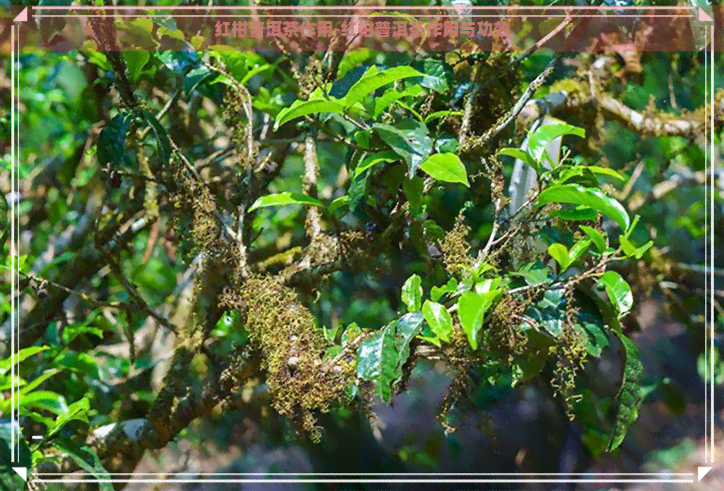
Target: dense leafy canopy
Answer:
pixel 161 268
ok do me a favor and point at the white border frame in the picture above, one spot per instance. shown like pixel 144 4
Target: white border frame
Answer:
pixel 710 166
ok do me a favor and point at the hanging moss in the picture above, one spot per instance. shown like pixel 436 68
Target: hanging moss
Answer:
pixel 292 348
pixel 505 336
pixel 455 247
pixel 571 357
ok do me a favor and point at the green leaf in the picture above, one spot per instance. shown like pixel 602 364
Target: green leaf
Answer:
pixel 626 246
pixel 410 141
pixel 373 80
pixel 143 23
pixel 631 250
pixel 407 327
pixel 20 356
pixel 559 252
pixel 521 155
pixel 630 395
pixel 281 199
pixel 413 146
pixel 439 319
pixel 380 358
pixel 450 287
pixel 88 460
pixel 445 167
pixel 350 334
pixel 338 203
pixel 377 361
pixel 135 61
pixel 76 411
pixel 577 214
pixel 525 368
pixel 619 293
pixel 302 108
pixel 640 251
pixel 79 362
pixel 488 285
pixel 358 191
pixel 596 236
pixel 631 228
pixel 471 311
pixel 594 327
pixel 533 273
pixel 413 189
pixel 198 76
pixel 581 169
pixel 162 141
pixel 549 312
pixel 112 141
pixel 363 139
pixel 73 330
pixel 578 195
pixel 441 114
pixel 45 400
pixel 577 250
pixel 437 74
pixel 374 159
pixel 392 95
pixel 412 293
pixel 38 380
pixel 540 139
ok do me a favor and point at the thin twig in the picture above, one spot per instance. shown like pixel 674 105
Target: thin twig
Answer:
pixel 311 171
pixel 520 104
pixel 137 298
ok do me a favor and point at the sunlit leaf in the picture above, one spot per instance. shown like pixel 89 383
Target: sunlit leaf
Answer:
pixel 438 291
pixel 19 357
pixel 303 108
pixel 472 308
pixel 540 139
pixel 374 79
pixel 445 167
pixel 439 319
pixel 521 155
pixel 339 203
pixel 281 199
pixel 373 159
pixel 596 236
pixel 412 293
pixel 559 252
pixel 594 198
pixel 619 293
pixel 135 61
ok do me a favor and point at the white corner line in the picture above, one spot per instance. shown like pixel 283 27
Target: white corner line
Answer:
pixel 23 472
pixel 703 471
pixel 22 16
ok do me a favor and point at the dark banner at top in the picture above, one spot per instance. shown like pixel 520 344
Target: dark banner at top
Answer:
pixel 513 28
